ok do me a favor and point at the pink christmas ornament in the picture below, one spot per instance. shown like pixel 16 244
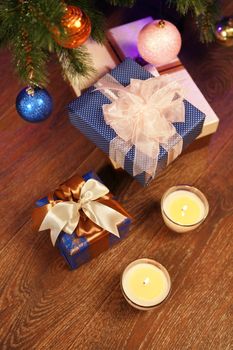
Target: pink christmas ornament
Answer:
pixel 159 42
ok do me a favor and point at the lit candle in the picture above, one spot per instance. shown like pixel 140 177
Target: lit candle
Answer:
pixel 145 284
pixel 184 208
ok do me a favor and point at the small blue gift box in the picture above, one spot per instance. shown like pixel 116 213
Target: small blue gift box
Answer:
pixel 78 250
pixel 86 114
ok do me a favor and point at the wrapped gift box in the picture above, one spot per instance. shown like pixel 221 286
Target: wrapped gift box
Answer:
pixel 86 114
pixel 123 38
pixel 79 250
pixel 103 59
pixel 192 93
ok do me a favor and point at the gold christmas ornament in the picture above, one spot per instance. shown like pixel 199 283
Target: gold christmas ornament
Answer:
pixel 77 28
pixel 224 31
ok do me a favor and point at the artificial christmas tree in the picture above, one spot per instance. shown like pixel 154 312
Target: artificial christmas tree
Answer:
pixel 34 28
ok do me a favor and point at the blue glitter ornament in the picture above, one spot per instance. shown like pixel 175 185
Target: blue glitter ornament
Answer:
pixel 34 104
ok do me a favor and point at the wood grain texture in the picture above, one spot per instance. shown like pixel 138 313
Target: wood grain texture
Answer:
pixel 46 306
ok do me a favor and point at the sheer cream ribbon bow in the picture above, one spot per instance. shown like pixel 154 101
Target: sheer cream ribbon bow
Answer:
pixel 65 216
pixel 142 114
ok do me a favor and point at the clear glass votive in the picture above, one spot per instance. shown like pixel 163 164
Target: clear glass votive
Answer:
pixel 145 284
pixel 184 208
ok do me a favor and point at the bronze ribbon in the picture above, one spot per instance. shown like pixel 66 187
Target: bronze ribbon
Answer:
pixel 70 192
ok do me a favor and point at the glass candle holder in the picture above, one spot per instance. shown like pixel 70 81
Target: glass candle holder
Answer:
pixel 145 284
pixel 184 208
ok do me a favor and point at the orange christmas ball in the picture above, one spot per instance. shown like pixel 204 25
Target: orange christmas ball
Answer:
pixel 77 28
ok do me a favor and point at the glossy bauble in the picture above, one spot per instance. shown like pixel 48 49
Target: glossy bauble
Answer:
pixel 159 42
pixel 77 28
pixel 34 104
pixel 224 31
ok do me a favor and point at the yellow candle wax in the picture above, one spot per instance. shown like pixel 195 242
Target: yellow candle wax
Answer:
pixel 184 207
pixel 145 284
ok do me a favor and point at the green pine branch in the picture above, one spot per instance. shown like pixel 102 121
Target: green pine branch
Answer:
pixel 29 61
pixel 206 22
pixel 128 3
pixel 76 63
pixel 206 13
pixel 29 28
pixel 26 30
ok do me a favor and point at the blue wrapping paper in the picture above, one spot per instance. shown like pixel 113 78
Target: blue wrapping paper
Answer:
pixel 86 114
pixel 76 250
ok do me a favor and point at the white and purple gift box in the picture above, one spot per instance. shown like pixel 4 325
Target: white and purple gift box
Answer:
pixel 86 114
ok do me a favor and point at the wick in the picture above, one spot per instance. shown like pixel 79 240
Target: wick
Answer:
pixel 183 209
pixel 146 281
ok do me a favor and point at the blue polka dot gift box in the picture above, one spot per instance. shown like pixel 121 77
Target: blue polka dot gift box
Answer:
pixel 83 217
pixel 141 122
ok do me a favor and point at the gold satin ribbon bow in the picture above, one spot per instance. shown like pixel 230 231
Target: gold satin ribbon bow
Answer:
pixel 84 207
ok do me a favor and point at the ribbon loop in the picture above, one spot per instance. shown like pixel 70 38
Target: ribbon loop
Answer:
pixel 65 215
pixel 142 114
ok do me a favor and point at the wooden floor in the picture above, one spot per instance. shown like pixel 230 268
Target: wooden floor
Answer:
pixel 46 306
